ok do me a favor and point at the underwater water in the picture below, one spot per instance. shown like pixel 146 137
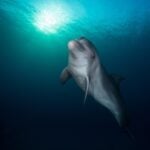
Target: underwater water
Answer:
pixel 36 111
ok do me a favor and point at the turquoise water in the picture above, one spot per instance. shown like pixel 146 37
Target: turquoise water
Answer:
pixel 37 111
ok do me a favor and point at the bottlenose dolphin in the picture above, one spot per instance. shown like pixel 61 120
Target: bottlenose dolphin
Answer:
pixel 86 68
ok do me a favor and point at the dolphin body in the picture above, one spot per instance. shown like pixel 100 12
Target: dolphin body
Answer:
pixel 85 66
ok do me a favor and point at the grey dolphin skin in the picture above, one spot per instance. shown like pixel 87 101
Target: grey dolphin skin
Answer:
pixel 86 68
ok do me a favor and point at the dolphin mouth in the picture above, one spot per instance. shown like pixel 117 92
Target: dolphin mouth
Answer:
pixel 75 44
pixel 81 44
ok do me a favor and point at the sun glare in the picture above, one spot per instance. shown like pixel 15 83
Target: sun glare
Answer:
pixel 50 20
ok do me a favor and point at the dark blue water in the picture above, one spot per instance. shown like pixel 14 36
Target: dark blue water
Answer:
pixel 36 111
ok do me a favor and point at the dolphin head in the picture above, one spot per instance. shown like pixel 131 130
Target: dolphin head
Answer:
pixel 81 50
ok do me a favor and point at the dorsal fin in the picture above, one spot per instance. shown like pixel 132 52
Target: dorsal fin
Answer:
pixel 117 78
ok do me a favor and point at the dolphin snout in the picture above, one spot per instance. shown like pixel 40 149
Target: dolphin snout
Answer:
pixel 75 45
pixel 71 44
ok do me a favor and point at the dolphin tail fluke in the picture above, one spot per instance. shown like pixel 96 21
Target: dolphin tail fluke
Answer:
pixel 130 135
pixel 133 139
pixel 86 89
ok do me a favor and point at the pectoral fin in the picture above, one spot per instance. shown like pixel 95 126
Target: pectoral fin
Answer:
pixel 65 76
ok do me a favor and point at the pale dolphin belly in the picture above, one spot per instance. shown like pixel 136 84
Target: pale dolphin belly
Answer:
pixel 79 74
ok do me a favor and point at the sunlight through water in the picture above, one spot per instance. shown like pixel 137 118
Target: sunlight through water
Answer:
pixel 51 18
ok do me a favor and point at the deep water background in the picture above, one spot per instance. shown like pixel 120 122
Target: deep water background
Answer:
pixel 37 112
